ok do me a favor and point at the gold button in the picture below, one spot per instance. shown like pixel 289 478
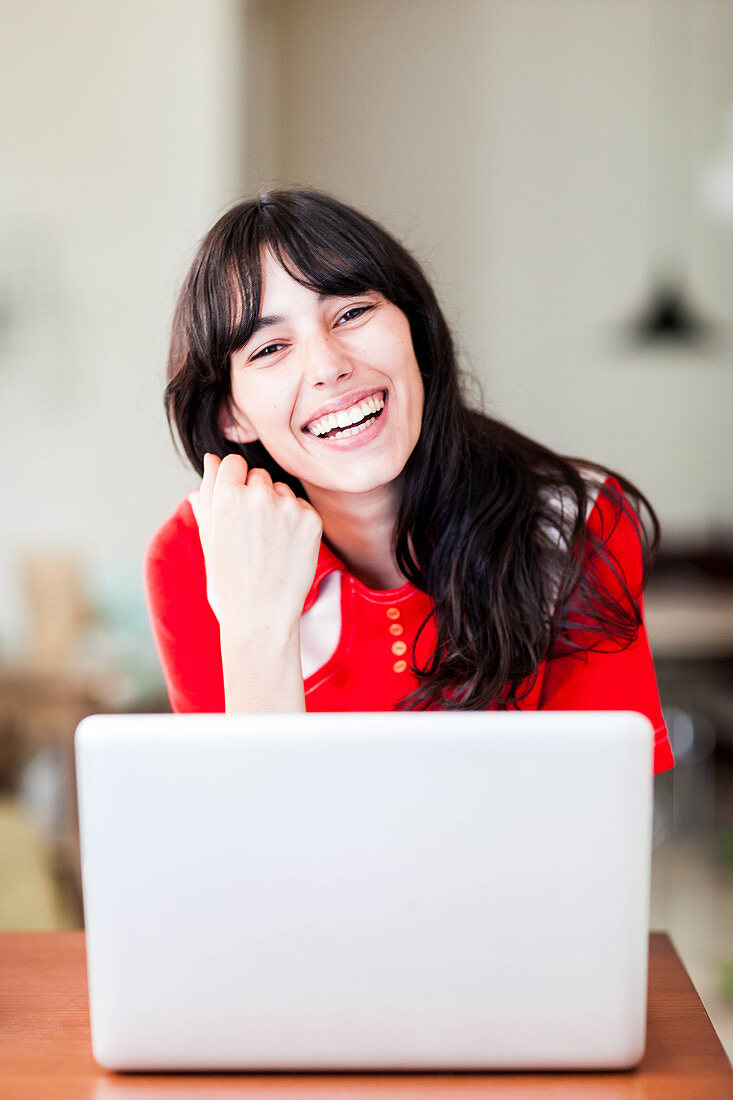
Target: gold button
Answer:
pixel 398 648
pixel 392 613
pixel 396 629
pixel 399 666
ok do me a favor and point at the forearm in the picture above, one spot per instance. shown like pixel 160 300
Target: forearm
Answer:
pixel 262 672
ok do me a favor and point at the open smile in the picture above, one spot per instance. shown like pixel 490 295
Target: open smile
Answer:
pixel 363 425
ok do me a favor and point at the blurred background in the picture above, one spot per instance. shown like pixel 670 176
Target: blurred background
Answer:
pixel 564 171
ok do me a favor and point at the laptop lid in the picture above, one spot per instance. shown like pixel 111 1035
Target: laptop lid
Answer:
pixel 403 890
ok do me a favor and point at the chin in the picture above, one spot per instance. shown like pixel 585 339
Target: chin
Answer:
pixel 367 483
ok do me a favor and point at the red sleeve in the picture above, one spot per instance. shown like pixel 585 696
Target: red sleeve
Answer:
pixel 620 680
pixel 185 629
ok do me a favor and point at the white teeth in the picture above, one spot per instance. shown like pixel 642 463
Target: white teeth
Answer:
pixel 346 417
pixel 355 430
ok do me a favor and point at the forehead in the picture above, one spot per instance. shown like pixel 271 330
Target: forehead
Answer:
pixel 281 293
pixel 279 287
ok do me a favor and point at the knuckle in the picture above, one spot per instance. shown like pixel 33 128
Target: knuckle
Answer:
pixel 257 493
pixel 226 494
pixel 313 521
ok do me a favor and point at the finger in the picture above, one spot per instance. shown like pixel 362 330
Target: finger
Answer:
pixel 313 515
pixel 206 491
pixel 308 507
pixel 232 471
pixel 259 476
pixel 282 489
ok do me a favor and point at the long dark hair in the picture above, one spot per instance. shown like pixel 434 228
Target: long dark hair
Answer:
pixel 491 525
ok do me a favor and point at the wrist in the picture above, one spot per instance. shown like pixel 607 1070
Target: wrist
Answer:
pixel 268 638
pixel 262 671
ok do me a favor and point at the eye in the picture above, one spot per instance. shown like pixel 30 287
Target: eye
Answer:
pixel 269 349
pixel 353 313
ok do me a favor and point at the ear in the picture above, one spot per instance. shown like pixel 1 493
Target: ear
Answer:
pixel 234 425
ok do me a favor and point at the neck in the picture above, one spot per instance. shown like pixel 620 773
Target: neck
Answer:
pixel 359 528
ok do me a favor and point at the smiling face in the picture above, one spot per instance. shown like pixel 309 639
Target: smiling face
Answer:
pixel 310 381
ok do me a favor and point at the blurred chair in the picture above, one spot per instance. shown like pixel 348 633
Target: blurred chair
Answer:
pixel 58 608
pixel 44 693
pixel 689 615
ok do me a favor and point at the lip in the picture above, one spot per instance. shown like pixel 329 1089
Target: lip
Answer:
pixel 351 442
pixel 344 402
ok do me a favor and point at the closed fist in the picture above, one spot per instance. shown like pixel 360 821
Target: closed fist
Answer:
pixel 260 544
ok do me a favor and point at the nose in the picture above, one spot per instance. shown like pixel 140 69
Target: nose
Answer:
pixel 325 361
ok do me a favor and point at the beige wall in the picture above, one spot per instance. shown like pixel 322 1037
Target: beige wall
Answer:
pixel 510 143
pixel 124 126
pixel 507 142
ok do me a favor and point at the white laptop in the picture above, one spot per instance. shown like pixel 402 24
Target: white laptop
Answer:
pixel 394 891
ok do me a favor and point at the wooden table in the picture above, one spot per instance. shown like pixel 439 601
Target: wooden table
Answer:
pixel 45 1047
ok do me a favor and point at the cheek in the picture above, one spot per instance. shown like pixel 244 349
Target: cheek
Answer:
pixel 416 383
pixel 419 403
pixel 239 389
pixel 275 417
pixel 263 404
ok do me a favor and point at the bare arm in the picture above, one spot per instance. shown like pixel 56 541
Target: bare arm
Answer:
pixel 262 674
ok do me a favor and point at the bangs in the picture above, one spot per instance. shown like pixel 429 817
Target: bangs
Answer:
pixel 328 252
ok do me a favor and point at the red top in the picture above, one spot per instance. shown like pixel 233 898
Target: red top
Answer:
pixel 365 668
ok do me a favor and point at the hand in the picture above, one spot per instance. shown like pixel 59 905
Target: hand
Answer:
pixel 260 546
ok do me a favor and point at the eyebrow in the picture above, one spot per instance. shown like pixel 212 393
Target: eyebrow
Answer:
pixel 278 319
pixel 266 322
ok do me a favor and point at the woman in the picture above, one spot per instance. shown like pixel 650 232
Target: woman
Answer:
pixel 361 539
